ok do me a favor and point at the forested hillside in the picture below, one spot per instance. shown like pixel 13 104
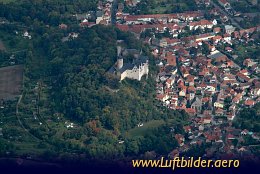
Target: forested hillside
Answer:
pixel 76 72
pixel 66 82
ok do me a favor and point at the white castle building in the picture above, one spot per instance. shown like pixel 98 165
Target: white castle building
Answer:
pixel 135 70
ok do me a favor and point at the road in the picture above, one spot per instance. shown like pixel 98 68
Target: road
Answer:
pixel 225 13
pixel 113 12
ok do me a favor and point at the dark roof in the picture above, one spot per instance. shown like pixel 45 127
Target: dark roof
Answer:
pixel 112 70
pixel 140 61
pixel 127 66
pixel 99 13
pixel 214 56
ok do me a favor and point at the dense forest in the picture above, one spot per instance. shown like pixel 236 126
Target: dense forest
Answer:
pixel 162 6
pixel 51 12
pixel 77 74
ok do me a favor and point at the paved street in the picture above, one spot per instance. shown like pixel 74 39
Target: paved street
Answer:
pixel 225 13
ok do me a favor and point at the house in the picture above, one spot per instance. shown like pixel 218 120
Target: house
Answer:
pixel 217 30
pixel 190 111
pixel 99 16
pixel 182 92
pixel 219 104
pixel 163 43
pixel 200 24
pixel 216 39
pixel 237 98
pixel 244 132
pixel 207 120
pixel 190 80
pixel 254 2
pixel 218 56
pixel 187 129
pixel 180 139
pixel 171 59
pixel 63 26
pixel 197 105
pixel 219 112
pixel 81 17
pixel 224 4
pixel 172 42
pixel 255 92
pixel 26 34
pixel 249 103
pixel 224 18
pixel 228 49
pixel 230 137
pixel 211 88
pixel 203 37
pixel 229 29
pixel 169 83
pixel 243 78
pixel 132 3
pixel 248 62
pixel 214 11
pixel 73 35
pixel 227 38
pixel 245 72
pixel 162 97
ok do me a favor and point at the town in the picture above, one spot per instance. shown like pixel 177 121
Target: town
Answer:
pixel 199 70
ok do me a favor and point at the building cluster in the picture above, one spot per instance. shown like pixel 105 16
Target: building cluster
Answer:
pixel 101 16
pixel 222 141
pixel 199 75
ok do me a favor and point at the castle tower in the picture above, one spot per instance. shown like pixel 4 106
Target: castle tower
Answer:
pixel 120 60
pixel 119 50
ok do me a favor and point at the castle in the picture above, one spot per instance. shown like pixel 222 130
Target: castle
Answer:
pixel 134 70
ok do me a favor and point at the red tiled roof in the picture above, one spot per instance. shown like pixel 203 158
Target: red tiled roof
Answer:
pixel 242 76
pixel 190 110
pixel 202 22
pixel 249 102
pixel 171 59
pixel 217 30
pixel 228 49
pixel 223 1
pixel 205 99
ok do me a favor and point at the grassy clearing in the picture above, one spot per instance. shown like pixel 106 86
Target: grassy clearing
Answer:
pixel 148 126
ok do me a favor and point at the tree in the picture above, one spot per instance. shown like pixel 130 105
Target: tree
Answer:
pixel 227 103
pixel 205 48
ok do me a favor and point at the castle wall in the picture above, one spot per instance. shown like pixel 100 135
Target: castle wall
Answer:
pixel 136 73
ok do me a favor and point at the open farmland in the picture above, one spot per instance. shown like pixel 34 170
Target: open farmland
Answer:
pixel 10 82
